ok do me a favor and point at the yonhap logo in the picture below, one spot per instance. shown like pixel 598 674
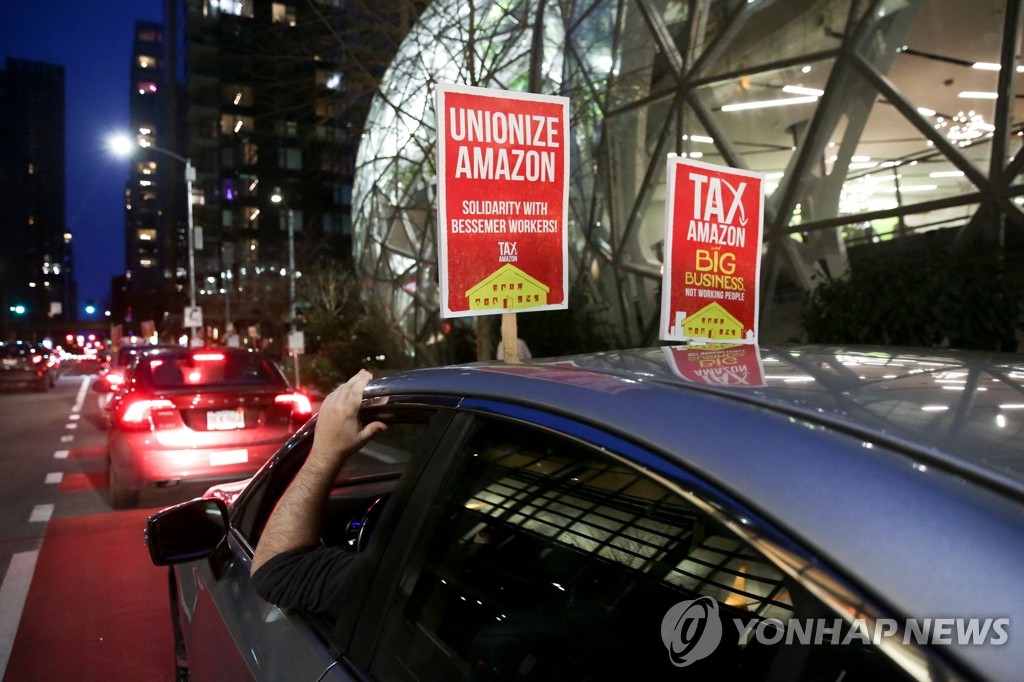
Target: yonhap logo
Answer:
pixel 691 630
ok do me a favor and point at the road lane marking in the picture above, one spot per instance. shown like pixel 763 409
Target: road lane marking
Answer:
pixel 41 513
pixel 83 390
pixel 13 593
pixel 16 582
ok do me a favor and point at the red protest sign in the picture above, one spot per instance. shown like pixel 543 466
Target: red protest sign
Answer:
pixel 714 223
pixel 502 201
pixel 717 364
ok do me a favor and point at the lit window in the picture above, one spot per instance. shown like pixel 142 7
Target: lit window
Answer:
pixel 239 8
pixel 332 80
pixel 250 153
pixel 247 185
pixel 230 123
pixel 237 95
pixel 281 13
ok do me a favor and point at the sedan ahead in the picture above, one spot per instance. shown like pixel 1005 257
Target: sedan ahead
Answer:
pixel 197 415
pixel 112 375
pixel 27 364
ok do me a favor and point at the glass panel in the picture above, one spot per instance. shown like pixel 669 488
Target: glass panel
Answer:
pixel 772 32
pixel 762 116
pixel 544 551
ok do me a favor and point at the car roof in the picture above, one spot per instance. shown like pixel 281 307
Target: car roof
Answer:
pixel 961 409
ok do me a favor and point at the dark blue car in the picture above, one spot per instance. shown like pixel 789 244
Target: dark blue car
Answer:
pixel 796 513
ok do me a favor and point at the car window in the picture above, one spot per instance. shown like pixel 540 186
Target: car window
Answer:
pixel 366 475
pixel 169 371
pixel 548 559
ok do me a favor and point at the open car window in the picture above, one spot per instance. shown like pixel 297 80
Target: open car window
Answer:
pixel 369 473
pixel 547 558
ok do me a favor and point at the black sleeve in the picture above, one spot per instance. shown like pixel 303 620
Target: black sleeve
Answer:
pixel 311 579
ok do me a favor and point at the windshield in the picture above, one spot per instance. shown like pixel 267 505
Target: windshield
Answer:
pixel 209 370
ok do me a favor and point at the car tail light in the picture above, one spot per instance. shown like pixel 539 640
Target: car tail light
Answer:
pixel 115 379
pixel 139 413
pixel 36 359
pixel 301 406
pixel 208 357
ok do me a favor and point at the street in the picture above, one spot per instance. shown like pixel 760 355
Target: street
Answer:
pixel 79 597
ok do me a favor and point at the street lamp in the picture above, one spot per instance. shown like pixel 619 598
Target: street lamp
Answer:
pixel 123 146
pixel 278 198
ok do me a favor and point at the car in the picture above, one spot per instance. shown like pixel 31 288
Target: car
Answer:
pixel 111 376
pixel 786 513
pixel 197 415
pixel 27 364
pixel 54 361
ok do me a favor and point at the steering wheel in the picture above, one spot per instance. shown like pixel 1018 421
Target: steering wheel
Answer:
pixel 358 531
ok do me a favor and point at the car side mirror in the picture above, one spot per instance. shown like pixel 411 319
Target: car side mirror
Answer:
pixel 186 532
pixel 101 386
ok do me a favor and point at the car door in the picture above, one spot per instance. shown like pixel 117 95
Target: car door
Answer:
pixel 229 632
pixel 542 548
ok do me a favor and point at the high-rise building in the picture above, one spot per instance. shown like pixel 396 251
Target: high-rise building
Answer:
pixel 262 118
pixel 36 282
pixel 266 101
pixel 154 203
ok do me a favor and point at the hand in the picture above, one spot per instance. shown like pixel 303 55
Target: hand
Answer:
pixel 339 432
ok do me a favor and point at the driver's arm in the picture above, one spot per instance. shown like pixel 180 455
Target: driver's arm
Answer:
pixel 295 522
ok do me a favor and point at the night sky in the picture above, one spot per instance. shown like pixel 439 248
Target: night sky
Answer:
pixel 92 40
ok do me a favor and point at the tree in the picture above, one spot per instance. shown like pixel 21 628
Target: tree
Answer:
pixel 344 333
pixel 944 298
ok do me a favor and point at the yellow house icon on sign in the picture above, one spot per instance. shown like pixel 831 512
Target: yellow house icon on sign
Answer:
pixel 713 322
pixel 507 288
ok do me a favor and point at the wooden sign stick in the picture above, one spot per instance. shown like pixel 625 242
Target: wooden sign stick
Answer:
pixel 509 337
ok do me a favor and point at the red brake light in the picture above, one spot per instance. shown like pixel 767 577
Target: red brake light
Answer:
pixel 208 357
pixel 114 378
pixel 300 403
pixel 139 412
pixel 36 359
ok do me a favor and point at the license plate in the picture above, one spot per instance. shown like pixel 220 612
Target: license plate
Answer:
pixel 229 457
pixel 225 420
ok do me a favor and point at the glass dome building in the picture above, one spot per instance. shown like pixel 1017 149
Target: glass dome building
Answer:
pixel 872 121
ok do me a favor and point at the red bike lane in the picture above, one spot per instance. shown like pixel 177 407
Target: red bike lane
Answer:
pixel 97 609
